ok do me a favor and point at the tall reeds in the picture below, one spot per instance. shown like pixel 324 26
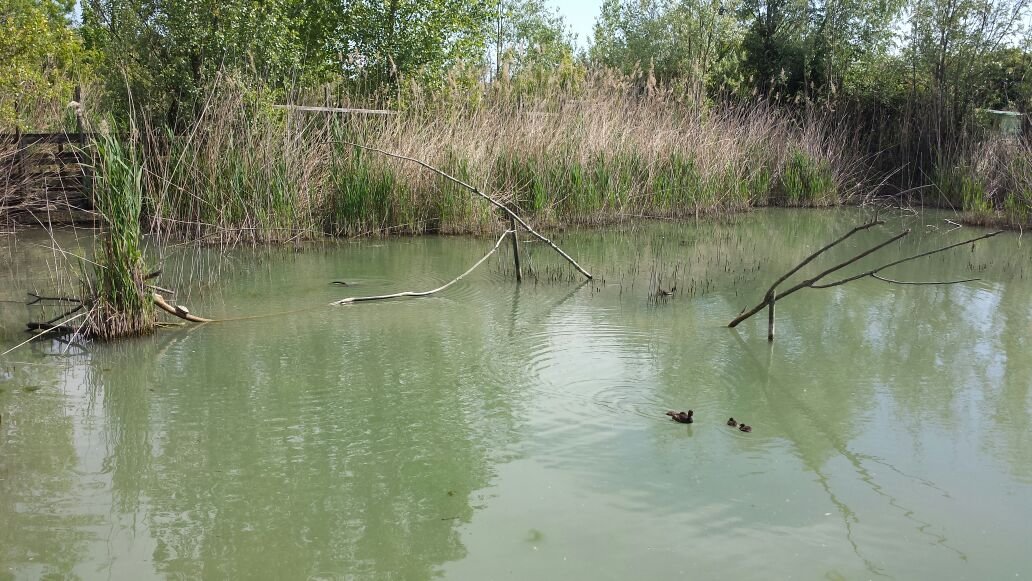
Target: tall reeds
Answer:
pixel 595 153
pixel 120 306
pixel 991 181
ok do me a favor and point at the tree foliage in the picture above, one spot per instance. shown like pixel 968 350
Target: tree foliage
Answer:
pixel 39 53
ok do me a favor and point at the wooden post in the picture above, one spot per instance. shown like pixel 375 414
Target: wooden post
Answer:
pixel 78 115
pixel 770 317
pixel 16 170
pixel 516 248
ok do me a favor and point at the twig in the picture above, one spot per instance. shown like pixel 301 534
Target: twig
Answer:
pixel 68 313
pixel 907 259
pixel 883 279
pixel 493 201
pixel 155 287
pixel 348 301
pixel 809 259
pixel 809 282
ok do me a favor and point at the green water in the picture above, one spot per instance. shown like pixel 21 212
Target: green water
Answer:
pixel 503 431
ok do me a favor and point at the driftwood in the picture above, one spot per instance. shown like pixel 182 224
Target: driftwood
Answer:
pixel 516 249
pixel 178 310
pixel 773 294
pixel 494 249
pixel 491 200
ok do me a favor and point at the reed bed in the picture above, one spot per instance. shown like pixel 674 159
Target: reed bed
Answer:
pixel 604 152
pixel 990 181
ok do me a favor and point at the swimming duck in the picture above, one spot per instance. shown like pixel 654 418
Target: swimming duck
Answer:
pixel 666 293
pixel 682 417
pixel 745 428
pixel 731 422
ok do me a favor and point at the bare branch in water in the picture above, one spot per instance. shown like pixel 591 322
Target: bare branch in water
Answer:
pixel 768 299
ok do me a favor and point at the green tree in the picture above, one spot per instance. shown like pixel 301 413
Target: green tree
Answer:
pixel 528 37
pixel 396 38
pixel 696 40
pixel 951 46
pixel 160 54
pixel 39 52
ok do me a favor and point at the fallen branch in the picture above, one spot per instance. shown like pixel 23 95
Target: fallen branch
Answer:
pixel 350 300
pixel 38 299
pixel 813 282
pixel 875 271
pixel 43 332
pixel 67 313
pixel 178 310
pixel 491 200
pixel 769 297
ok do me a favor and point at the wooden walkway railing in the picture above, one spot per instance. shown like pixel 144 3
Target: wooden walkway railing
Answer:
pixel 44 173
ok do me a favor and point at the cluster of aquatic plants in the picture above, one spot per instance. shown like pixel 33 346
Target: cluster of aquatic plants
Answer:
pixel 119 305
pixel 806 181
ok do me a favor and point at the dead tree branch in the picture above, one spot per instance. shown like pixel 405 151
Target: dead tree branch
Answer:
pixel 491 200
pixel 769 297
pixel 875 271
pixel 813 282
pixel 38 299
pixel 350 300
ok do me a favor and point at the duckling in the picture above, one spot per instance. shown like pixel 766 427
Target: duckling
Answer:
pixel 731 422
pixel 682 417
pixel 744 428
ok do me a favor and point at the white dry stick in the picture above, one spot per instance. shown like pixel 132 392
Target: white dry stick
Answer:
pixel 350 300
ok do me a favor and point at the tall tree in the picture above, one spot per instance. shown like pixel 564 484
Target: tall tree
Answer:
pixel 526 37
pixel 687 39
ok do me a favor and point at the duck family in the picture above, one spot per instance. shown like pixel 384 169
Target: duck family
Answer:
pixel 688 418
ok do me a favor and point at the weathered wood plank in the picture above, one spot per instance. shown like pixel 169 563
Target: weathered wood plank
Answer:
pixel 337 110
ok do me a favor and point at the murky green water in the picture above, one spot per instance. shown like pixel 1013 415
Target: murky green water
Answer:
pixel 517 432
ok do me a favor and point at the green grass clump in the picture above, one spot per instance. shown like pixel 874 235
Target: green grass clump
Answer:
pixel 360 194
pixel 805 181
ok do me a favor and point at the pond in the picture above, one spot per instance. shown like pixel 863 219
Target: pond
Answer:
pixel 504 431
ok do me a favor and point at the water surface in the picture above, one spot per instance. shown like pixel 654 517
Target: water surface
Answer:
pixel 504 431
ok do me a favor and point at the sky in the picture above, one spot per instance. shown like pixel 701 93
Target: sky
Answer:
pixel 580 15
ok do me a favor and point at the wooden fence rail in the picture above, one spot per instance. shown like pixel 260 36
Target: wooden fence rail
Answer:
pixel 44 173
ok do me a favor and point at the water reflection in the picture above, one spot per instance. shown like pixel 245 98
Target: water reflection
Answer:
pixel 504 430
